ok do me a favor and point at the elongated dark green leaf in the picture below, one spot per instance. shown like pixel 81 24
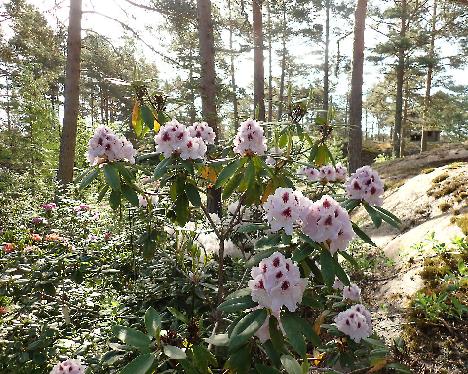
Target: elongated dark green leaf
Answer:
pixel 362 235
pixel 272 353
pixel 102 192
pixel 140 365
pixel 306 329
pixel 161 168
pixel 252 227
pixel 239 360
pixel 88 179
pixel 177 314
pixel 192 194
pixel 239 293
pixel 313 152
pixel 294 335
pixel 256 258
pixel 227 173
pixel 268 241
pixel 218 340
pixel 350 204
pixel 263 369
pixel 300 253
pixel 308 240
pixel 246 328
pixel 327 267
pixel 153 321
pixel 340 273
pixel 231 186
pixel 174 352
pixel 374 215
pixel 203 358
pixel 249 177
pixel 132 337
pixel 130 194
pixel 182 209
pixel 291 365
pixel 114 199
pixel 147 116
pixel 388 217
pixel 237 304
pixel 276 336
pixel 112 176
pixel 349 258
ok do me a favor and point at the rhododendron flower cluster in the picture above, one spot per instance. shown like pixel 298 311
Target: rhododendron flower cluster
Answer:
pixel 49 206
pixel 283 209
pixel 175 139
pixel 106 146
pixel 81 208
pixel 38 221
pixel 250 139
pixel 143 200
pixel 69 367
pixel 277 282
pixel 365 184
pixel 326 173
pixel 352 292
pixel 210 244
pixel 202 130
pixel 326 221
pixel 356 322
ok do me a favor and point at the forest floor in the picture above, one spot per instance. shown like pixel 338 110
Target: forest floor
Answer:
pixel 429 193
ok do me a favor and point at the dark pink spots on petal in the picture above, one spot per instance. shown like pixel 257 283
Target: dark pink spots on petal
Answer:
pixel 351 315
pixel 287 266
pixel 285 285
pixel 189 144
pixel 356 185
pixel 286 212
pixel 279 274
pixel 347 322
pixel 264 269
pixel 368 182
pixel 359 325
pixel 326 204
pixel 329 221
pixel 336 212
pixel 198 134
pixel 100 141
pixel 260 284
pixel 166 137
pixel 276 262
pixel 285 197
pixel 180 135
pixel 372 190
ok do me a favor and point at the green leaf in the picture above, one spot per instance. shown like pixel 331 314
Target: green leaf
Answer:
pixel 263 369
pixel 293 334
pixel 140 365
pixel 276 336
pixel 227 173
pixel 132 337
pixel 374 215
pixel 174 352
pixel 283 140
pixel 239 360
pixel 192 194
pixel 153 322
pixel 350 204
pixel 303 251
pixel 203 358
pixel 252 227
pixel 114 199
pixel 218 340
pixel 399 368
pixel 349 258
pixel 178 315
pixel 232 185
pixel 88 179
pixel 112 176
pixel 272 353
pixel 237 304
pixel 239 293
pixel 313 152
pixel 327 267
pixel 182 209
pixel 291 365
pixel 102 192
pixel 256 258
pixel 340 273
pixel 388 217
pixel 161 168
pixel 246 328
pixel 130 194
pixel 268 241
pixel 321 156
pixel 362 235
pixel 147 116
pixel 249 177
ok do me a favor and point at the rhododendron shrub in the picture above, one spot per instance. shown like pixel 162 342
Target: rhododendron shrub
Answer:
pixel 289 232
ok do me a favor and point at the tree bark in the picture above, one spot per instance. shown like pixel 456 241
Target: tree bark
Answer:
pixel 208 86
pixel 259 73
pixel 355 101
pixel 430 68
pixel 326 68
pixel 233 72
pixel 72 95
pixel 283 68
pixel 270 75
pixel 404 122
pixel 400 75
pixel 208 74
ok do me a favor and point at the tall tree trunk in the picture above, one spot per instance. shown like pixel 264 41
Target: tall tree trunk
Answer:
pixel 400 75
pixel 192 110
pixel 404 122
pixel 283 67
pixel 72 95
pixel 355 105
pixel 259 73
pixel 430 68
pixel 270 75
pixel 233 72
pixel 326 68
pixel 208 86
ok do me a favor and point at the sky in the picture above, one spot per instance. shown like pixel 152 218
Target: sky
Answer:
pixel 56 11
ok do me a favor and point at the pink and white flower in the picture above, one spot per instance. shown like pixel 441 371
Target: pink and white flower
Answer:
pixel 276 283
pixel 352 292
pixel 143 200
pixel 250 139
pixel 69 367
pixel 356 322
pixel 340 173
pixel 365 184
pixel 202 130
pixel 326 221
pixel 283 209
pixel 327 173
pixel 49 206
pixel 106 146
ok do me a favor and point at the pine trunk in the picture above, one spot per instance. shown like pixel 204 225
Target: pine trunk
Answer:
pixel 283 68
pixel 233 72
pixel 326 68
pixel 430 68
pixel 259 73
pixel 355 104
pixel 400 76
pixel 72 95
pixel 270 75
